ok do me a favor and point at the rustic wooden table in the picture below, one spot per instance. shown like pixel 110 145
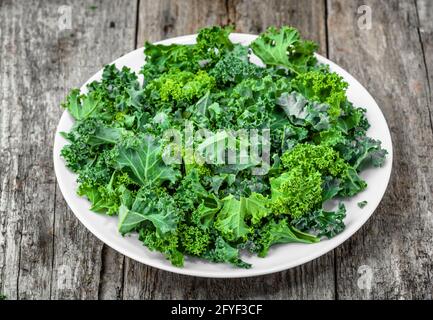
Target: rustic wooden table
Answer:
pixel 49 47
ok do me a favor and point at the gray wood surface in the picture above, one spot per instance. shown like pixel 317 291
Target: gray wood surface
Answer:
pixel 389 60
pixel 46 253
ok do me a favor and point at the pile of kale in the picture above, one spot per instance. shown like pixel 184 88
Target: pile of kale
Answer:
pixel 318 146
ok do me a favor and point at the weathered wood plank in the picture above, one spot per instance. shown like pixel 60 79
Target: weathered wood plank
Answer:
pixel 101 32
pixel 11 144
pixel 111 279
pixel 425 15
pixel 395 246
pixel 40 62
pixel 311 281
pixel 164 19
pixel 29 185
pixel 255 16
pixel 41 58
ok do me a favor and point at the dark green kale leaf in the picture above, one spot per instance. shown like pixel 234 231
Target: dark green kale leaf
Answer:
pixel 212 44
pixel 302 112
pixel 330 187
pixel 190 192
pixel 352 184
pixel 323 223
pixel 224 252
pixel 167 244
pixel 363 152
pixel 362 204
pixel 204 215
pixel 234 67
pixel 119 92
pixel 275 232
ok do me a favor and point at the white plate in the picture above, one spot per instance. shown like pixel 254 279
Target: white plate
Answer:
pixel 280 257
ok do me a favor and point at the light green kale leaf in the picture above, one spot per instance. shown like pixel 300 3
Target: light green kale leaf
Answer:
pixel 81 106
pixel 149 205
pixel 143 162
pixel 284 47
pixel 231 220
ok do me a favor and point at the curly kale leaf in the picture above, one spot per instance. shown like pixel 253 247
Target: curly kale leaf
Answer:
pixel 151 205
pixel 194 240
pixel 167 244
pixel 352 118
pixel 256 207
pixel 82 106
pixel 234 67
pixel 191 192
pixel 143 162
pixel 180 86
pixel 331 137
pixel 206 211
pixel 161 58
pixel 352 184
pixel 314 174
pixel 302 112
pixel 309 158
pixel 363 152
pixel 105 197
pixel 224 252
pixel 212 44
pixel 230 221
pixel 285 48
pixel 323 87
pixel 119 92
pixel 323 223
pixel 78 153
pixel 275 232
pixel 296 193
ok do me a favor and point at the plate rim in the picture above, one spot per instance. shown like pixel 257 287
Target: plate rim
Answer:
pixel 235 272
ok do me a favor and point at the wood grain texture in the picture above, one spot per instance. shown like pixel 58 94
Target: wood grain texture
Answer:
pixel 314 280
pixel 395 245
pixel 425 16
pixel 158 20
pixel 45 252
pixel 254 16
pixel 83 266
pixel 11 145
pixel 311 281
